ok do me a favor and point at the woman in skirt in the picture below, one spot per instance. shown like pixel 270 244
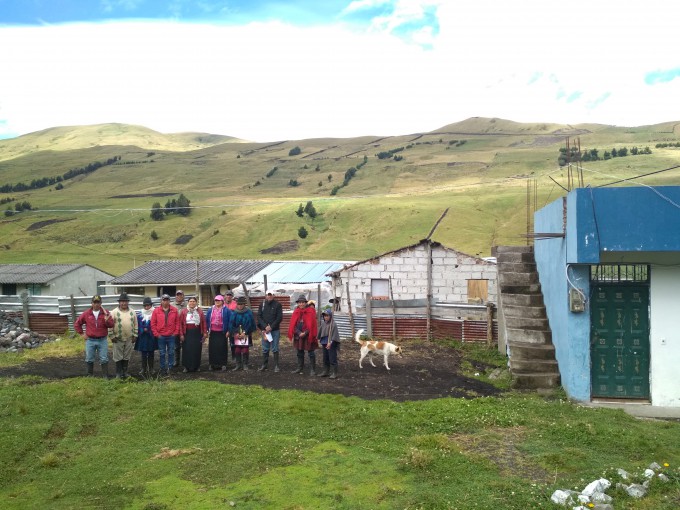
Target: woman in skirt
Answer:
pixel 217 324
pixel 146 343
pixel 191 332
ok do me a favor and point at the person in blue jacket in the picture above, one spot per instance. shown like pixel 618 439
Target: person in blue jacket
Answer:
pixel 217 321
pixel 241 328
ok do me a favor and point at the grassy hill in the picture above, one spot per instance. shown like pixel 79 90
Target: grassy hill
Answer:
pixel 479 168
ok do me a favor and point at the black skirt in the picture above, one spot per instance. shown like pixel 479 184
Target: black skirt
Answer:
pixel 217 349
pixel 191 358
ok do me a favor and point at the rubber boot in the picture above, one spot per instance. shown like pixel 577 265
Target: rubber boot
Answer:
pixel 178 355
pixel 276 362
pixel 334 372
pixel 119 369
pixel 325 372
pixel 312 362
pixel 244 360
pixel 300 363
pixel 90 369
pixel 149 370
pixel 125 368
pixel 265 361
pixel 238 362
pixel 105 370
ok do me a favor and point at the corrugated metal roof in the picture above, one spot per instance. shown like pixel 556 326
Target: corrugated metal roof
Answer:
pixel 280 272
pixel 34 273
pixel 158 272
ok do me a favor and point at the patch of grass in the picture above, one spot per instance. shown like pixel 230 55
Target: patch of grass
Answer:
pixel 68 345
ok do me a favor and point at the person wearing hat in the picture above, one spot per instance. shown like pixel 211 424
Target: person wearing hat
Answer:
pixel 241 327
pixel 217 323
pixel 329 338
pixel 229 300
pixel 191 333
pixel 97 322
pixel 302 332
pixel 146 342
pixel 180 304
pixel 123 335
pixel 165 327
pixel 269 317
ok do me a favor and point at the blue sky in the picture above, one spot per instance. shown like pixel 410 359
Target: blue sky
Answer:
pixel 273 70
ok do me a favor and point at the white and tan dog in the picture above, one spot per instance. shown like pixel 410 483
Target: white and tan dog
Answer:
pixel 368 347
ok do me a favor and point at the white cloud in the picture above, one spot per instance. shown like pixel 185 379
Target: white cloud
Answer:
pixel 424 65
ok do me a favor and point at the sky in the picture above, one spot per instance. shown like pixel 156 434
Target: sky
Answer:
pixel 270 70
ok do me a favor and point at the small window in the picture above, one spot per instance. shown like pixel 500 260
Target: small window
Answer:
pixel 478 291
pixel 34 289
pixel 9 289
pixel 101 290
pixel 380 289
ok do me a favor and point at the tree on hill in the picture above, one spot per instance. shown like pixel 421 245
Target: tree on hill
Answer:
pixel 294 151
pixel 302 232
pixel 183 204
pixel 300 211
pixel 310 210
pixel 157 213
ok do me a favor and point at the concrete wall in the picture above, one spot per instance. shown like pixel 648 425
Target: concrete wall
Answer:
pixel 664 335
pixel 81 282
pixel 408 269
pixel 570 331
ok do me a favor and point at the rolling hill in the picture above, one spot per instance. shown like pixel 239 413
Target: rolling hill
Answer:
pixel 372 194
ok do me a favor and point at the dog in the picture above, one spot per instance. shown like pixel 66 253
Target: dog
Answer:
pixel 368 347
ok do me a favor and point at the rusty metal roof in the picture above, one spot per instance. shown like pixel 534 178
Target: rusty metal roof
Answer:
pixel 35 273
pixel 168 272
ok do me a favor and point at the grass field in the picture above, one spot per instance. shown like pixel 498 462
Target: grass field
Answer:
pixel 479 169
pixel 90 443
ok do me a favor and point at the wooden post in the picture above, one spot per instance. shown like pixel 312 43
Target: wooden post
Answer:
pixel 349 309
pixel 198 287
pixel 26 311
pixel 394 312
pixel 73 310
pixel 318 303
pixel 428 305
pixel 489 324
pixel 369 316
pixel 265 285
pixel 245 291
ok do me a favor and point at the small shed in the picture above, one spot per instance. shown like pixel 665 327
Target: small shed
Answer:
pixel 417 272
pixel 52 279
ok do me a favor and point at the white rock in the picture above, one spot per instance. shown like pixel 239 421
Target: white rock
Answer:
pixel 601 497
pixel 649 473
pixel 663 477
pixel 654 466
pixel 623 473
pixel 583 499
pixel 635 490
pixel 561 497
pixel 600 485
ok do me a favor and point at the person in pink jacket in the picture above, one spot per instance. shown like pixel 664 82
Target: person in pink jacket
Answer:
pixel 97 322
pixel 165 327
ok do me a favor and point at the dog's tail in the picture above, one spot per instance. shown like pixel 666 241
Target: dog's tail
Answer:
pixel 357 337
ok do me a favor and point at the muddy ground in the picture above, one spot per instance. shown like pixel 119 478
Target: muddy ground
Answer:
pixel 425 371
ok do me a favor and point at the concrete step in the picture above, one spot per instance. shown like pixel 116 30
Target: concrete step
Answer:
pixel 522 300
pixel 530 312
pixel 533 381
pixel 506 278
pixel 516 258
pixel 527 323
pixel 538 366
pixel 534 288
pixel 530 336
pixel 513 249
pixel 516 267
pixel 531 351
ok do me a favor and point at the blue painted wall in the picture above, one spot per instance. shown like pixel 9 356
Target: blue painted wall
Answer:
pixel 570 331
pixel 633 220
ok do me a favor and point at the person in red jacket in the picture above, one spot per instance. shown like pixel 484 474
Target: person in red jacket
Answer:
pixel 165 327
pixel 302 332
pixel 97 322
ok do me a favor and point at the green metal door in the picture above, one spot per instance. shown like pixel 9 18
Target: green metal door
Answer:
pixel 619 334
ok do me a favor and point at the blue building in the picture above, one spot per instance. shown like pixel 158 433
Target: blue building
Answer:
pixel 609 266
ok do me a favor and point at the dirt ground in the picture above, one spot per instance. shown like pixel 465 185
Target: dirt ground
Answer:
pixel 424 372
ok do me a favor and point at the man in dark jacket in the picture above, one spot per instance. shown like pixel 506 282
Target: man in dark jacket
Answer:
pixel 269 317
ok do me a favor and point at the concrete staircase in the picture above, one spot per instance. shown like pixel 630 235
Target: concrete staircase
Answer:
pixel 524 321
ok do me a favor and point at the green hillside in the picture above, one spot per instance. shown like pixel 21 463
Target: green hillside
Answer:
pixel 245 198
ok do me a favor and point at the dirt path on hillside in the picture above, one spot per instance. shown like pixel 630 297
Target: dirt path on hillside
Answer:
pixel 424 372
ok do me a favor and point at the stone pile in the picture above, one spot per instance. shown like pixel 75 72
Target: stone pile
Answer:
pixel 593 496
pixel 14 337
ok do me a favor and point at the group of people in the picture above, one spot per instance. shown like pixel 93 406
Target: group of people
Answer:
pixel 178 330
